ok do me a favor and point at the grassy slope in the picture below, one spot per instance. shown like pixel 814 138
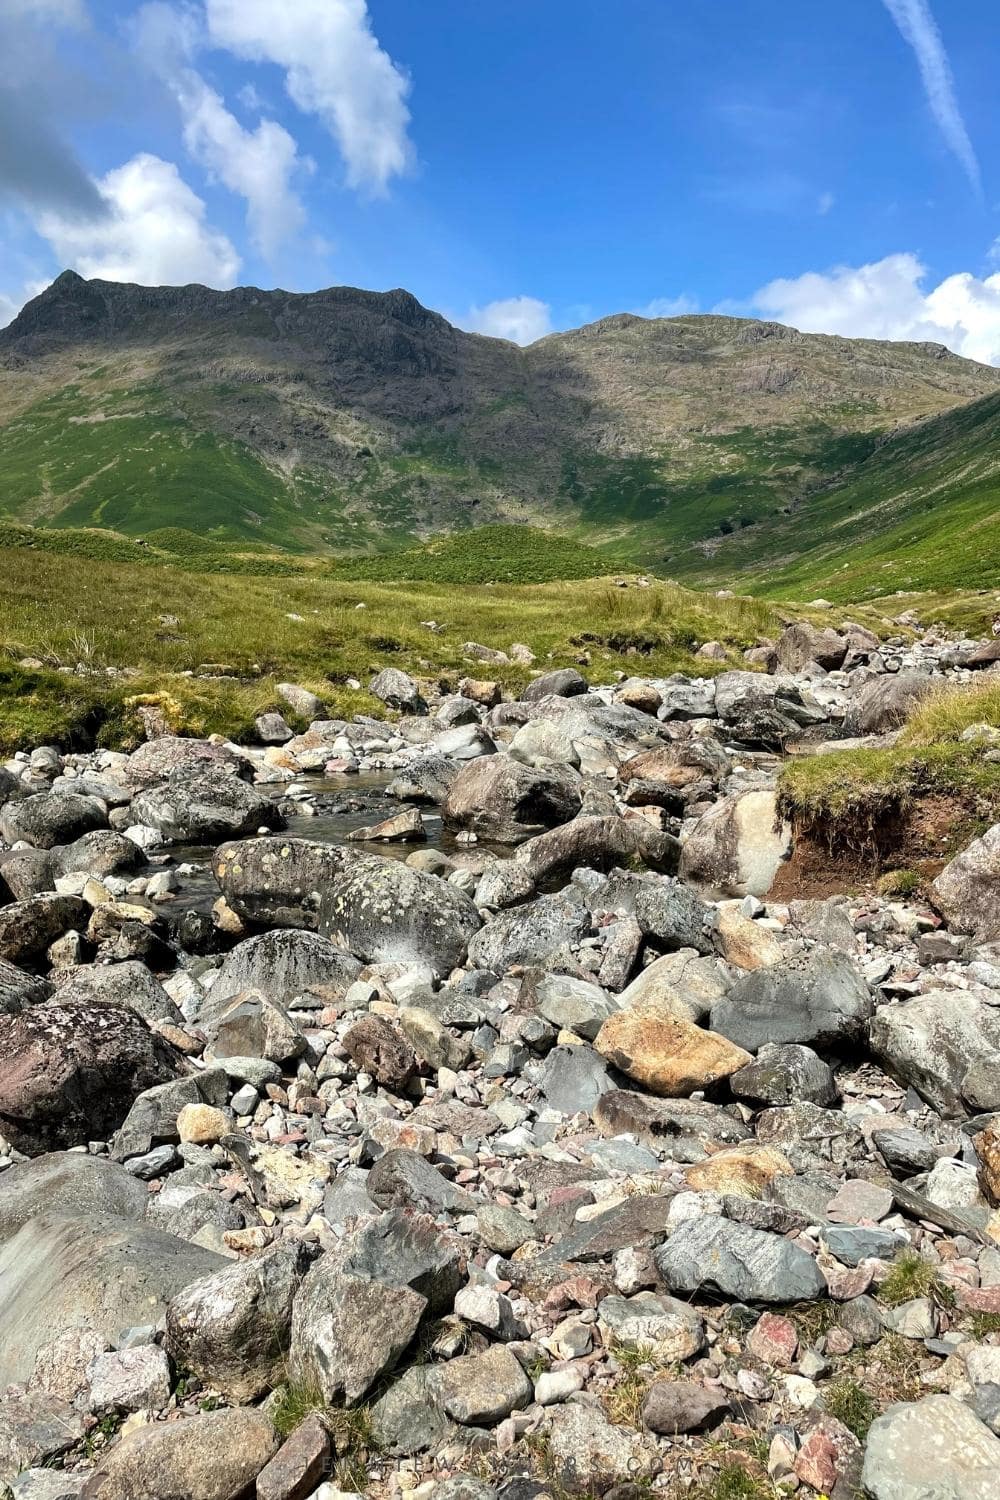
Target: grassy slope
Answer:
pixel 138 629
pixel 919 514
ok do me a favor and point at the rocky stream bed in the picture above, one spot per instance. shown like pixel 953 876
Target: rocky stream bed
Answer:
pixel 443 1107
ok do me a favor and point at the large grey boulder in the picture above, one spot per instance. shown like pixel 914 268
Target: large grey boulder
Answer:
pixel 801 646
pixel 564 683
pixel 966 891
pixel 51 818
pixel 158 759
pixel 86 1271
pixel 284 965
pixel 102 852
pixel 276 882
pixel 884 703
pixel 933 1041
pixel 381 909
pixel 129 984
pixel 232 1327
pixel 19 989
pixel 738 846
pixel 202 806
pixel 397 689
pixel 214 1455
pixel 68 1182
pixel 503 800
pixel 932 1449
pixel 29 928
pixel 817 999
pixel 746 1264
pixel 69 1073
pixel 599 843
pixel 540 933
pixel 763 711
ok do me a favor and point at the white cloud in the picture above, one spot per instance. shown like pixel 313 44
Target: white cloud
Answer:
pixel 919 29
pixel 824 203
pixel 522 320
pixel 154 231
pixel 70 12
pixel 889 299
pixel 668 307
pixel 257 164
pixel 9 309
pixel 334 68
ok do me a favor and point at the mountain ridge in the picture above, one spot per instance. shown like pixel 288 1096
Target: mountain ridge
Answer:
pixel 347 420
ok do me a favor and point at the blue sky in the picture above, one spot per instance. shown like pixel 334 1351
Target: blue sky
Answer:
pixel 521 165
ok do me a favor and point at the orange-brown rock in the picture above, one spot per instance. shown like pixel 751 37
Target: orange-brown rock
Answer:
pixel 667 1054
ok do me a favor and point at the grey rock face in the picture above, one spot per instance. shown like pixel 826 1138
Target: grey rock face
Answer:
pixel 402 1179
pixel 481 1389
pixel 103 852
pixel 283 965
pixel 817 1000
pixel 599 843
pixel 278 882
pixel 750 1265
pixel 397 689
pixel 29 928
pixel 965 892
pixel 884 702
pixel 67 1182
pixel 158 759
pixel 92 1270
pixel 153 1115
pixel 70 1072
pixel 934 1449
pixel 738 846
pixel 201 806
pixel 51 818
pixel 782 1074
pixel 535 934
pixel 19 989
pixel 500 799
pixel 380 909
pixel 129 985
pixel 673 1406
pixel 573 1080
pixel 232 1327
pixel 933 1040
pixel 564 683
pixel 214 1455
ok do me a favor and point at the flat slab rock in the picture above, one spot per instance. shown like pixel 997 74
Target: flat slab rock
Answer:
pixel 934 1449
pixel 747 1264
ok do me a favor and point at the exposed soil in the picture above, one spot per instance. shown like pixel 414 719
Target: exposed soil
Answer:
pixel 922 838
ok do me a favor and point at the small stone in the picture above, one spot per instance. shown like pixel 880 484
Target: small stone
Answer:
pixel 479 1390
pixel 773 1340
pixel 201 1124
pixel 674 1406
pixel 130 1380
pixel 299 1464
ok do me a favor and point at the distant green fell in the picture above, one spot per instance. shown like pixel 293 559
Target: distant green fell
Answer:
pixel 488 554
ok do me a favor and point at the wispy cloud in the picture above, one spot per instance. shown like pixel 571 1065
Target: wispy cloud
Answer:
pixel 522 320
pixel 918 27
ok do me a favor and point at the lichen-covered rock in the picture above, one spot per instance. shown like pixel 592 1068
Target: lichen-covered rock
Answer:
pixel 380 909
pixel 214 1455
pixel 278 882
pixel 501 799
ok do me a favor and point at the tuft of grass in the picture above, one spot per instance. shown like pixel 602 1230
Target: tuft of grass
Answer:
pixel 911 1277
pixel 851 1404
pixel 982 1324
pixel 948 711
pixel 899 883
pixel 295 1401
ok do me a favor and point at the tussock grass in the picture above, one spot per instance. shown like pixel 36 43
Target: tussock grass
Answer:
pixel 949 711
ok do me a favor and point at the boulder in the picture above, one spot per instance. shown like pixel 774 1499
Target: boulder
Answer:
pixel 29 928
pixel 28 872
pixel 232 1327
pixel 935 1447
pixel 378 1048
pixel 667 1054
pixel 278 882
pixel 763 711
pixel 67 1183
pixel 100 853
pixel 158 759
pixel 503 800
pixel 801 646
pixel 51 818
pixel 965 892
pixel 599 843
pixel 479 1390
pixel 738 846
pixel 670 1329
pixel 200 806
pixel 397 689
pixel 933 1040
pixel 674 1406
pixel 742 1263
pixel 129 985
pixel 539 933
pixel 213 1455
pixel 381 910
pixel 781 1074
pixel 69 1073
pixel 564 683
pixel 885 703
pixel 283 965
pixel 19 989
pixel 303 703
pixel 816 999
pixel 88 1270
